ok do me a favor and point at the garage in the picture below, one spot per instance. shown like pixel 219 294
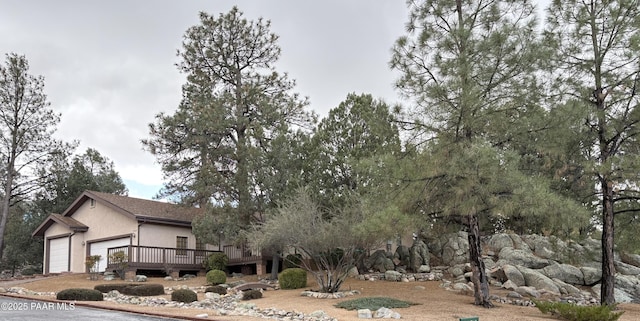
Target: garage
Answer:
pixel 59 255
pixel 100 248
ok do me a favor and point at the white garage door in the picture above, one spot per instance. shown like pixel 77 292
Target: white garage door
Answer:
pixel 100 248
pixel 59 255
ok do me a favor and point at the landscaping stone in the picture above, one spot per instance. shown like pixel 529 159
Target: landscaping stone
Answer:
pixel 365 314
pixel 386 313
pixel 392 276
pixel 335 295
pixel 141 278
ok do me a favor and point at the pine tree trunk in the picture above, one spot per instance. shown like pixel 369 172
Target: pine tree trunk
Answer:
pixel 275 266
pixel 608 269
pixel 479 276
pixel 6 202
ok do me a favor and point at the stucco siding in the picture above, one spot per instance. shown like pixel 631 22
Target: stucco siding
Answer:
pixel 77 253
pixel 164 235
pixel 53 231
pixel 56 229
pixel 103 223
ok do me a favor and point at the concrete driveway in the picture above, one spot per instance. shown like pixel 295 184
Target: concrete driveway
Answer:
pixel 33 310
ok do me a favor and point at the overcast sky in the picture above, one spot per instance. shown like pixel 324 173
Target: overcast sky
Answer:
pixel 109 66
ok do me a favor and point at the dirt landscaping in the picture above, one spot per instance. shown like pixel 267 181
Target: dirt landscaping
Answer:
pixel 433 302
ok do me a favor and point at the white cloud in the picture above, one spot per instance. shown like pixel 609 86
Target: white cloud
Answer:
pixel 109 66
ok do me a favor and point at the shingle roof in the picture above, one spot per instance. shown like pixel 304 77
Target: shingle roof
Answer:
pixel 142 209
pixel 139 209
pixel 69 222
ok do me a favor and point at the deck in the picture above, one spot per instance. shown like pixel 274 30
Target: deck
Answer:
pixel 166 258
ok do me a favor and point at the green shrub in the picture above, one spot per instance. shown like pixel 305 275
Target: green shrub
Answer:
pixel 251 294
pixel 572 312
pixel 132 288
pixel 144 289
pixel 292 261
pixel 106 288
pixel 184 295
pixel 216 277
pixel 373 303
pixel 216 261
pixel 31 270
pixel 294 278
pixel 216 289
pixel 79 295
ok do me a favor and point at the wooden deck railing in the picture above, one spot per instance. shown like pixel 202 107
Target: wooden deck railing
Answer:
pixel 150 257
pixel 241 254
pixel 158 257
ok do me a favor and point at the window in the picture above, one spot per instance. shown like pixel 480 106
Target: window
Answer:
pixel 181 245
pixel 200 248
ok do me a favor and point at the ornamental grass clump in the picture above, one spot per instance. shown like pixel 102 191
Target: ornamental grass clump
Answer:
pixel 373 303
pixel 572 312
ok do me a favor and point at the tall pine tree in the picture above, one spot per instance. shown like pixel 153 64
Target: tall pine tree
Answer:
pixel 234 106
pixel 466 64
pixel 596 69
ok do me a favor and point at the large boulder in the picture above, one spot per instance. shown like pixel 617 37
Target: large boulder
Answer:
pixel 538 280
pixel 626 269
pixel 513 274
pixel 620 295
pixel 564 272
pixel 629 284
pixel 418 255
pixel 509 255
pixel 545 247
pixel 591 275
pixel 565 288
pixel 586 253
pixel 455 248
pixel 631 259
pixel 528 291
pixel 401 256
pixel 498 241
pixel 379 262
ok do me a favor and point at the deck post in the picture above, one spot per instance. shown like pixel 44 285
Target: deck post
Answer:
pixel 261 267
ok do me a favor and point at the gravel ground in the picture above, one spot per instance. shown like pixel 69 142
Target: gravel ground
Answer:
pixel 433 302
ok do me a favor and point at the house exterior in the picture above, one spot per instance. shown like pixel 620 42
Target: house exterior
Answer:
pixel 151 235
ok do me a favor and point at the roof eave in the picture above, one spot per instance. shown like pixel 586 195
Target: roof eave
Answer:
pixel 166 221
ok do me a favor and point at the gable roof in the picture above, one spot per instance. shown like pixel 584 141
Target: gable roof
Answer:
pixel 69 222
pixel 139 209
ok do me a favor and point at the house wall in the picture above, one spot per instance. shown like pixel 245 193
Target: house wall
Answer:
pixel 103 222
pixel 164 235
pixel 54 230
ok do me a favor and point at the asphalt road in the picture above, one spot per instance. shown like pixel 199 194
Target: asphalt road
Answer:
pixel 32 310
